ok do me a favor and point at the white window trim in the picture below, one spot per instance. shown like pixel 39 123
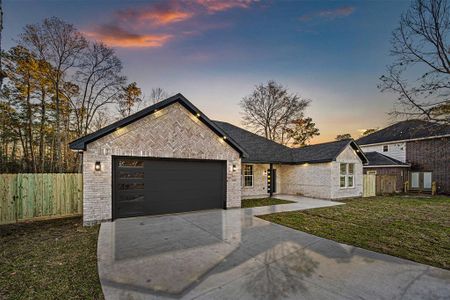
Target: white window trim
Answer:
pixel 252 176
pixel 347 175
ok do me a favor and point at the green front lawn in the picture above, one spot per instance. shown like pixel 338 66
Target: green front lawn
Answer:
pixel 263 202
pixel 53 259
pixel 414 228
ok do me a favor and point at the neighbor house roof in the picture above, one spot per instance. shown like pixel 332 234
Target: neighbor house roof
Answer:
pixel 262 150
pixel 377 159
pixel 80 144
pixel 405 130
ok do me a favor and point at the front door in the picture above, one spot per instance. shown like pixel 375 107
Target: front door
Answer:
pixel 427 180
pixel 415 183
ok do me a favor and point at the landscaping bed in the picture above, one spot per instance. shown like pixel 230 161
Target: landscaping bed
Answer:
pixel 415 228
pixel 54 259
pixel 246 203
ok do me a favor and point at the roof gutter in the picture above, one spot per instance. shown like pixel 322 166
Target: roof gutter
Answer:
pixel 387 166
pixel 406 140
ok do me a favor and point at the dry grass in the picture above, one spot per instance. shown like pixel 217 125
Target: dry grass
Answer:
pixel 49 260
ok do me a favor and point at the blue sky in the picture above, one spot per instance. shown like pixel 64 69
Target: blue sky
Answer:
pixel 215 52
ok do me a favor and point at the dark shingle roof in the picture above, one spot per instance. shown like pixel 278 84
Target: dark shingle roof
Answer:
pixel 405 130
pixel 378 159
pixel 320 152
pixel 262 150
pixel 258 148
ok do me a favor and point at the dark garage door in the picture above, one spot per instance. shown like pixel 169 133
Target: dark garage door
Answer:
pixel 161 186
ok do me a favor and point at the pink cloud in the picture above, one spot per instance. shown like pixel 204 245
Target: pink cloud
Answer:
pixel 115 36
pixel 156 24
pixel 221 5
pixel 329 13
pixel 164 13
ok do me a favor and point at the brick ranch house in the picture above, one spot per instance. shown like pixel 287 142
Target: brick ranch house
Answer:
pixel 170 157
pixel 413 151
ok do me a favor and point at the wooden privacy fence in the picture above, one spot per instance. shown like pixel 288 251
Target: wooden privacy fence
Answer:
pixel 369 185
pixel 29 196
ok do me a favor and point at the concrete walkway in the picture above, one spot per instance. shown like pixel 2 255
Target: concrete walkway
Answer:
pixel 230 254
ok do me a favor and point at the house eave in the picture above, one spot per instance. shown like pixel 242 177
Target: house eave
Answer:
pixel 286 163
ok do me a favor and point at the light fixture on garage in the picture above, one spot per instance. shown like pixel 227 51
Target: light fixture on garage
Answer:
pixel 224 137
pixel 98 166
pixel 198 115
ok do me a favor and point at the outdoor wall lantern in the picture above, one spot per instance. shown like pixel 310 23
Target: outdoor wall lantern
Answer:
pixel 264 173
pixel 234 168
pixel 98 166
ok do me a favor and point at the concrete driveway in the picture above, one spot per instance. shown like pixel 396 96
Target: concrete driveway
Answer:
pixel 230 254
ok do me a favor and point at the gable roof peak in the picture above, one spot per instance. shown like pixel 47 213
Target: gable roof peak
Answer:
pixel 80 143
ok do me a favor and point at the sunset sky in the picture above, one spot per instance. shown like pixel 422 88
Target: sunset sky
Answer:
pixel 214 52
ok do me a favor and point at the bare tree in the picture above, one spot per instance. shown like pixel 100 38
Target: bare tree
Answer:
pixel 157 95
pixel 270 109
pixel 421 48
pixel 60 44
pixel 344 136
pixel 101 119
pixel 97 83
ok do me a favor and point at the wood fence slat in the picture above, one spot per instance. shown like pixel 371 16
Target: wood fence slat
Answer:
pixel 369 185
pixel 29 196
pixel 7 198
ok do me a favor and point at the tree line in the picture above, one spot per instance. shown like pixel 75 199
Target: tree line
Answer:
pixel 57 87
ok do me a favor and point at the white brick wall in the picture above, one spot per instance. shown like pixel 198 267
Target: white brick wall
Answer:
pixel 312 180
pixel 321 180
pixel 171 132
pixel 347 156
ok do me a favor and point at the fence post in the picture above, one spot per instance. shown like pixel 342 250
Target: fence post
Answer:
pixel 433 188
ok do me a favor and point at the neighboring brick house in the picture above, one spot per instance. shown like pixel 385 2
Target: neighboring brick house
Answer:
pixel 170 158
pixel 422 147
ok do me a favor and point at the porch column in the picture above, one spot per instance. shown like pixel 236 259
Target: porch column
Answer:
pixel 271 179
